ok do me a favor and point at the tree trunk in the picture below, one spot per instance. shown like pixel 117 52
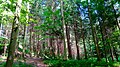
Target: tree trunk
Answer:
pixel 1 29
pixel 58 48
pixel 5 41
pixel 5 47
pixel 14 33
pixel 83 37
pixel 25 32
pixel 93 33
pixel 64 31
pixel 102 30
pixel 111 49
pixel 91 51
pixel 68 42
pixel 52 47
pixel 30 42
pixel 76 39
pixel 24 41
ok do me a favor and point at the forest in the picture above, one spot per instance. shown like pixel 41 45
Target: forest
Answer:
pixel 59 33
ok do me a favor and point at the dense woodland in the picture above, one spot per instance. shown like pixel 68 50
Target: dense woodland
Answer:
pixel 62 33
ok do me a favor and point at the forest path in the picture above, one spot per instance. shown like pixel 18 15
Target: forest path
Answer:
pixel 38 62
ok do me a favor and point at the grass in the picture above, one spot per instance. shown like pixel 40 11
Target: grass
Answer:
pixel 17 64
pixel 81 63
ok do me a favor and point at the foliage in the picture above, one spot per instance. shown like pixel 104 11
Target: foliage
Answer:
pixel 91 62
pixel 2 44
pixel 88 24
pixel 17 64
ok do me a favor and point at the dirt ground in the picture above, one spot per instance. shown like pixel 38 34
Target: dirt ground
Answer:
pixel 38 62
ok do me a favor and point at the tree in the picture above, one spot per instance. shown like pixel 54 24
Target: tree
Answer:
pixel 64 30
pixel 93 32
pixel 14 33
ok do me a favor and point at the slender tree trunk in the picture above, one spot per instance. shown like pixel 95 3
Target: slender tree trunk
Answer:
pixel 25 32
pixel 64 30
pixel 14 33
pixel 5 47
pixel 34 43
pixel 58 48
pixel 76 40
pixel 112 52
pixel 0 29
pixel 111 49
pixel 52 47
pixel 30 42
pixel 68 42
pixel 5 41
pixel 83 37
pixel 24 41
pixel 102 30
pixel 91 51
pixel 93 33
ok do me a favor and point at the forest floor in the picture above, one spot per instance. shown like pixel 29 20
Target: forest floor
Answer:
pixel 38 62
pixel 35 62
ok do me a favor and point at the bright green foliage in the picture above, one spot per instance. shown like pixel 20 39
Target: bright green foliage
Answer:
pixel 91 62
pixel 44 30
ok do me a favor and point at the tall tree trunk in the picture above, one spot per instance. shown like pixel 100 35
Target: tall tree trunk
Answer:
pixel 5 41
pixel 14 33
pixel 24 41
pixel 102 30
pixel 1 29
pixel 83 37
pixel 52 47
pixel 30 42
pixel 64 31
pixel 91 51
pixel 93 33
pixel 58 48
pixel 112 52
pixel 76 39
pixel 68 42
pixel 25 31
pixel 111 48
pixel 5 47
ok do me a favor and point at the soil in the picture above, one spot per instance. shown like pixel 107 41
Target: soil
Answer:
pixel 38 62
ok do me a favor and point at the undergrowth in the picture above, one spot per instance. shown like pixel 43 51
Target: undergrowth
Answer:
pixel 17 64
pixel 81 63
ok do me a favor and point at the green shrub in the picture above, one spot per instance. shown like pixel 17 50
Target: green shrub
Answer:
pixel 91 62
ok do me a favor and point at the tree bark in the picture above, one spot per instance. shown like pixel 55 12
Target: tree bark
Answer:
pixel 102 30
pixel 64 31
pixel 24 41
pixel 30 42
pixel 58 48
pixel 93 33
pixel 76 39
pixel 68 42
pixel 83 37
pixel 14 33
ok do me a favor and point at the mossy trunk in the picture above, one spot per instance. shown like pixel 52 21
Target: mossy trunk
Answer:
pixel 14 34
